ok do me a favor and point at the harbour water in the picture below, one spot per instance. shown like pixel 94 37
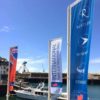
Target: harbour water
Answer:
pixel 93 93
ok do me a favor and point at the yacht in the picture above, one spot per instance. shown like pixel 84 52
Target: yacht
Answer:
pixel 63 96
pixel 27 94
pixel 33 93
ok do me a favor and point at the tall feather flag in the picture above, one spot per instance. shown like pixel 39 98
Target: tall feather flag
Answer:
pixel 80 21
pixel 12 68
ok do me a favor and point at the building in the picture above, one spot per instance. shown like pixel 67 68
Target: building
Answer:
pixel 3 76
pixel 3 69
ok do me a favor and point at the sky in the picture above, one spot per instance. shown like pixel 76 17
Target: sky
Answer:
pixel 30 24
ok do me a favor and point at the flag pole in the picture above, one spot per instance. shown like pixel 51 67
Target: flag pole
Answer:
pixel 49 94
pixel 7 95
pixel 68 50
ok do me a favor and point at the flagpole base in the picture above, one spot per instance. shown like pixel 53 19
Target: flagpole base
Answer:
pixel 7 97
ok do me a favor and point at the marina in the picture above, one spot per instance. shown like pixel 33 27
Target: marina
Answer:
pixel 28 85
pixel 93 92
pixel 43 62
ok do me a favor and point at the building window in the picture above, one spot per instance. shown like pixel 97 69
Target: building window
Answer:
pixel 3 72
pixel 7 69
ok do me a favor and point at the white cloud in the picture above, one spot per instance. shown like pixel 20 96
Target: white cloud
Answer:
pixel 94 65
pixel 95 61
pixel 5 29
pixel 32 64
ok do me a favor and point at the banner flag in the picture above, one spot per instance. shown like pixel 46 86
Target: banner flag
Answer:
pixel 55 66
pixel 81 16
pixel 12 70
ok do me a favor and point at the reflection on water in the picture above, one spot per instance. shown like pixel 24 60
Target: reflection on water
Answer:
pixel 94 92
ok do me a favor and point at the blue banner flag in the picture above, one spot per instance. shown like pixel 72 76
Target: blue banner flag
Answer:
pixel 81 15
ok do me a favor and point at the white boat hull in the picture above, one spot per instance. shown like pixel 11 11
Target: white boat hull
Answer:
pixel 30 96
pixel 63 96
pixel 38 95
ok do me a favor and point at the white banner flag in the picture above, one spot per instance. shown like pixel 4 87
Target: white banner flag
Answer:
pixel 55 66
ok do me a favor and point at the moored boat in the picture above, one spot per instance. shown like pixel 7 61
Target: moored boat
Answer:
pixel 33 93
pixel 36 94
pixel 63 96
